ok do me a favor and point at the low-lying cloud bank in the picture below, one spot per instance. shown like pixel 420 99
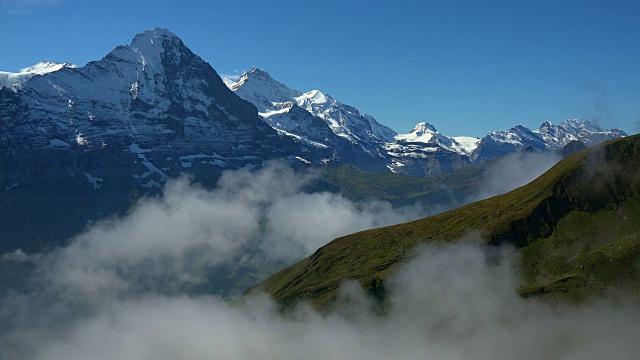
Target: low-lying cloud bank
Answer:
pixel 450 302
pixel 121 290
pixel 513 171
pixel 182 240
pixel 253 220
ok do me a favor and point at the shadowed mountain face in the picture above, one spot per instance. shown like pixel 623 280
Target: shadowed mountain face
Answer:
pixel 154 93
pixel 80 143
pixel 575 226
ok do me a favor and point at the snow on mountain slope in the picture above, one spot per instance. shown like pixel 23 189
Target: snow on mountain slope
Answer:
pixel 159 95
pixel 345 120
pixel 547 137
pixel 426 133
pixel 153 93
pixel 422 132
pixel 263 91
pixel 584 131
pixel 45 67
pixel 467 143
pixel 501 142
pixel 423 151
pixel 272 97
pixel 228 81
pixel 554 136
pixel 146 79
pixel 10 79
pixel 382 132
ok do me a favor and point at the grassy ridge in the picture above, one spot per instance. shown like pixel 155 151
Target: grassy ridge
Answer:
pixel 535 218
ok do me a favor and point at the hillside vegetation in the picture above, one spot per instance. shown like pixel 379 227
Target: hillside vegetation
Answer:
pixel 576 227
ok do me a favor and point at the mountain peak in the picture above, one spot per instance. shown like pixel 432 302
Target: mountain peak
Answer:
pixel 520 127
pixel 423 127
pixel 426 133
pixel 259 72
pixel 150 43
pixel 151 34
pixel 577 125
pixel 256 75
pixel 556 137
pixel 316 96
pixel 260 89
pixel 150 47
pixel 272 97
pixel 10 79
pixel 545 125
pixel 45 66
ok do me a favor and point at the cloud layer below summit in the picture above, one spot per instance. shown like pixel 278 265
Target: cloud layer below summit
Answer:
pixel 105 295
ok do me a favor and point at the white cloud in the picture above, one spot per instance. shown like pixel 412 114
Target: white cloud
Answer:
pixel 104 296
pixel 449 302
pixel 302 223
pixel 175 242
pixel 513 171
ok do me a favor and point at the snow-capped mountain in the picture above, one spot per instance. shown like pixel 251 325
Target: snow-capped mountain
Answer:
pixel 10 79
pixel 350 136
pixel 345 120
pixel 589 134
pixel 259 88
pixel 153 94
pixel 122 125
pixel 501 142
pixel 548 137
pixel 277 106
pixel 425 151
pixel 332 130
pixel 162 109
pixel 353 137
pixel 427 134
pixel 443 153
pixel 467 143
pixel 274 98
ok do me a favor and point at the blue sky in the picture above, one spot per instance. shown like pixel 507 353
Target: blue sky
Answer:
pixel 468 67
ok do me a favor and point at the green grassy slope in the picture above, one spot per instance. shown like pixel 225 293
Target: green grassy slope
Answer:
pixel 358 184
pixel 545 220
pixel 588 254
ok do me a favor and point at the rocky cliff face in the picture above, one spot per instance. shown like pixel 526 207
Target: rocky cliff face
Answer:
pixel 152 97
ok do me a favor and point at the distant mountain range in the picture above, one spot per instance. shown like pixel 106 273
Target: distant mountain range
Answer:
pixel 81 143
pixel 424 151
